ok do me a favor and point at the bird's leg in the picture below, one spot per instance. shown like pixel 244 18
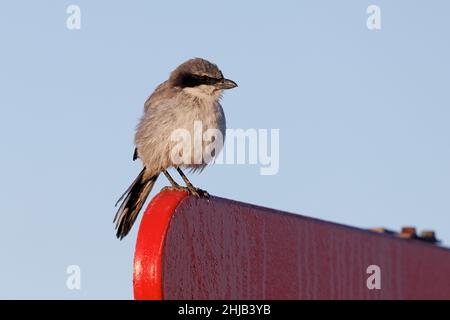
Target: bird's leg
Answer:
pixel 175 186
pixel 171 180
pixel 193 190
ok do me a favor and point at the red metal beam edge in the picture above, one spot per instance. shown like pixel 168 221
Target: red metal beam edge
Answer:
pixel 147 275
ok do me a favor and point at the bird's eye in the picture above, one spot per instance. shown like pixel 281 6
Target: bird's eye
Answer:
pixel 206 80
pixel 192 80
pixel 210 81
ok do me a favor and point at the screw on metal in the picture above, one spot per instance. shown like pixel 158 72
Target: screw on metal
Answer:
pixel 428 236
pixel 408 232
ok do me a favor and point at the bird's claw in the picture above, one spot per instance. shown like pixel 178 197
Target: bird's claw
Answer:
pixel 196 192
pixel 172 188
pixel 202 193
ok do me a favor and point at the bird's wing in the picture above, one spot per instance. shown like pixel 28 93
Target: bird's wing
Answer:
pixel 163 92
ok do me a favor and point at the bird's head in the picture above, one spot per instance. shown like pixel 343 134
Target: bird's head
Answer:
pixel 201 78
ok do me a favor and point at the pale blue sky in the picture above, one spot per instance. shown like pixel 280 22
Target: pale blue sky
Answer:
pixel 363 118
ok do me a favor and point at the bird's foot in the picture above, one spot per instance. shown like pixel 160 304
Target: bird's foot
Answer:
pixel 199 193
pixel 196 192
pixel 172 188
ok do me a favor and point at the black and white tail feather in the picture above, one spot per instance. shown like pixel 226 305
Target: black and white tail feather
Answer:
pixel 132 201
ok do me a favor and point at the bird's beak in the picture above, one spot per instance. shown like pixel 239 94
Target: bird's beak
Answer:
pixel 226 84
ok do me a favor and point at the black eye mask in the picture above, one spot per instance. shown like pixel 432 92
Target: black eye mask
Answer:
pixel 193 80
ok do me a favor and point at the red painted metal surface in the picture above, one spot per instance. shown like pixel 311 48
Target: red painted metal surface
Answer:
pixel 147 277
pixel 222 249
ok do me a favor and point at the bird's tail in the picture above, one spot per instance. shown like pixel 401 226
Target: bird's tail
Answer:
pixel 132 201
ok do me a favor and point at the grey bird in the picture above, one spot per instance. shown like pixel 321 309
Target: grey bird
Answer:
pixel 192 93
